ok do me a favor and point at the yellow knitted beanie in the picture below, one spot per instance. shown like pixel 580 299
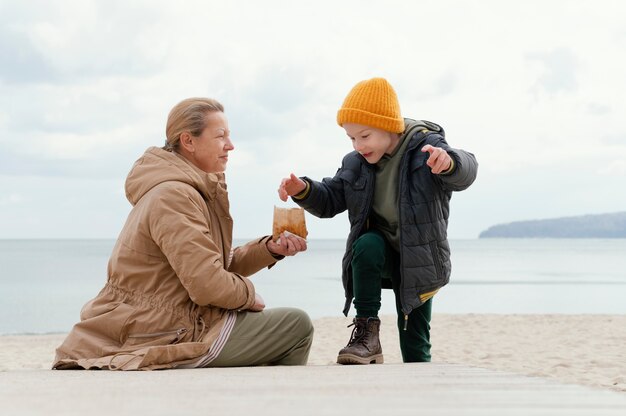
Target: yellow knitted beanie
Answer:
pixel 373 103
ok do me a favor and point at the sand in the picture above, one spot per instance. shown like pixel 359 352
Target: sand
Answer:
pixel 578 349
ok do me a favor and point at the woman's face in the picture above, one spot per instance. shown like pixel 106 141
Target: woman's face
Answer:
pixel 370 142
pixel 211 147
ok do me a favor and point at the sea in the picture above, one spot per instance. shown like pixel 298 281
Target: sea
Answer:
pixel 45 283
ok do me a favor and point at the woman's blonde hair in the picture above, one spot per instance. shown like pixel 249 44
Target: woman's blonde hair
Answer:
pixel 188 115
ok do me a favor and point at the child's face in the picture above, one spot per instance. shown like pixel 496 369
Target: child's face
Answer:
pixel 370 142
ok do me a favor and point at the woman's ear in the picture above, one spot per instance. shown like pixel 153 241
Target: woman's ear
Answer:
pixel 186 142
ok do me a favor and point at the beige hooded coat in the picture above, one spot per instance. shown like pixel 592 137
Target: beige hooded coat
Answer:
pixel 172 277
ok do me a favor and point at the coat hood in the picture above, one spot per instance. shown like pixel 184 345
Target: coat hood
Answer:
pixel 411 126
pixel 156 166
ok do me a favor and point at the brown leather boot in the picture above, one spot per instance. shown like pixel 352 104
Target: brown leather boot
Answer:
pixel 364 345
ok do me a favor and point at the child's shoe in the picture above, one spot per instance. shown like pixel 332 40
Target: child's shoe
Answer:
pixel 364 345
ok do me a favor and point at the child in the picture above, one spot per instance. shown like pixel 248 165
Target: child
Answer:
pixel 396 186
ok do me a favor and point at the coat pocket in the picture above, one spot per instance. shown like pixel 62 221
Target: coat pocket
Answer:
pixel 436 259
pixel 104 323
pixel 354 179
pixel 150 339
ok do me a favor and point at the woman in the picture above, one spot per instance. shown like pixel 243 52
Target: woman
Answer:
pixel 177 296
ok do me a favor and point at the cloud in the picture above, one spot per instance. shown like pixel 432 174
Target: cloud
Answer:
pixel 11 199
pixel 433 86
pixel 51 45
pixel 597 109
pixel 614 168
pixel 87 86
pixel 68 208
pixel 275 104
pixel 558 70
pixel 21 61
pixel 282 90
pixel 79 109
pixel 614 139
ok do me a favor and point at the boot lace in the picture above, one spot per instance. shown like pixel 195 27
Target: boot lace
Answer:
pixel 359 333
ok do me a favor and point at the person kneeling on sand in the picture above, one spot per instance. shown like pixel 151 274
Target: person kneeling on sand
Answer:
pixel 177 296
pixel 396 186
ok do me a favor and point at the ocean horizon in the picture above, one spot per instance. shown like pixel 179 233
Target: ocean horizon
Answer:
pixel 45 282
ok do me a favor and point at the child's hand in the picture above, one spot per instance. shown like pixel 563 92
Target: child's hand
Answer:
pixel 439 160
pixel 290 186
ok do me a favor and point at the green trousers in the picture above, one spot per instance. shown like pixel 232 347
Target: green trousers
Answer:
pixel 277 336
pixel 373 261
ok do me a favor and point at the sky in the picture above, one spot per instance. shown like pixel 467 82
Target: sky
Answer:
pixel 534 89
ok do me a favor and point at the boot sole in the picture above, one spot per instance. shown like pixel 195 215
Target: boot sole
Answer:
pixel 355 359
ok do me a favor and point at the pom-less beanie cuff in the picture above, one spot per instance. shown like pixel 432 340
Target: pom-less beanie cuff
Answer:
pixel 373 103
pixel 353 115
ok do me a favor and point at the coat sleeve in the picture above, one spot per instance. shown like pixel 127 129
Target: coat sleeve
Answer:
pixel 252 257
pixel 465 166
pixel 179 227
pixel 326 198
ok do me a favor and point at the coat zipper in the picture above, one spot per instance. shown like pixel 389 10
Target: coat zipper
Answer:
pixel 365 224
pixel 370 196
pixel 401 182
pixel 178 333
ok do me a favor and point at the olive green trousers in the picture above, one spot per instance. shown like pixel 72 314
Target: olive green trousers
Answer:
pixel 277 336
pixel 374 261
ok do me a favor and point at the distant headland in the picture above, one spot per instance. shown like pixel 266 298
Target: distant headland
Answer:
pixel 611 225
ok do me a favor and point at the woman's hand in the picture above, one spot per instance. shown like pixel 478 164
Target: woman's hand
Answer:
pixel 259 303
pixel 288 244
pixel 290 186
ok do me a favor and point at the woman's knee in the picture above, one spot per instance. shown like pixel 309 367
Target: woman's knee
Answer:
pixel 299 321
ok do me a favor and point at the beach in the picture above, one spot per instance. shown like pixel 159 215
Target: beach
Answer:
pixel 575 349
pixel 579 349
